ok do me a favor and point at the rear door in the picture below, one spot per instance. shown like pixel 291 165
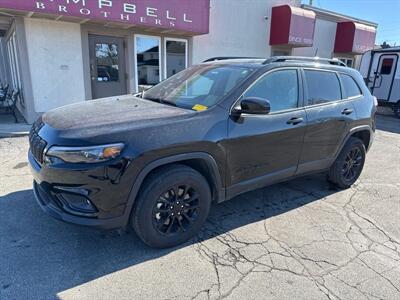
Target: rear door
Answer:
pixel 384 76
pixel 266 148
pixel 328 117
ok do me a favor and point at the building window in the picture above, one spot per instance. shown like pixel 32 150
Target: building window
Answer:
pixel 176 56
pixel 281 52
pixel 348 61
pixel 13 60
pixel 147 59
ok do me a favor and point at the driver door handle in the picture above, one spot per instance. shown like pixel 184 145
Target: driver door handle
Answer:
pixel 347 111
pixel 295 121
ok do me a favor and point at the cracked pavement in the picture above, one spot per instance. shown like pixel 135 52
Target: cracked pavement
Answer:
pixel 303 239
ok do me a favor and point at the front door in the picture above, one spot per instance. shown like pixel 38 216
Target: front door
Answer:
pixel 384 76
pixel 107 66
pixel 262 149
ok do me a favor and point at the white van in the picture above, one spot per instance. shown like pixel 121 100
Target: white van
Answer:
pixel 381 71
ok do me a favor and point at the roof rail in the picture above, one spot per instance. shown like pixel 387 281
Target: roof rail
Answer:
pixel 229 57
pixel 316 59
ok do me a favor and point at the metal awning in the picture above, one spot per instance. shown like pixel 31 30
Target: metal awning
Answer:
pixel 355 38
pixel 292 26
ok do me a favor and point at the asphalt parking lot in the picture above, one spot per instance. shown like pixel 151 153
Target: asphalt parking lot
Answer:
pixel 298 240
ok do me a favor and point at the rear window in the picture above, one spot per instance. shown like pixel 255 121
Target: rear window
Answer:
pixel 387 64
pixel 351 88
pixel 322 87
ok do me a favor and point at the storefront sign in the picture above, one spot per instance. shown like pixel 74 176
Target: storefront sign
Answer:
pixel 352 37
pixel 184 15
pixel 292 26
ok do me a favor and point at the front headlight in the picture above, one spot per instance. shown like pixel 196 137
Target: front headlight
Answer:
pixel 91 154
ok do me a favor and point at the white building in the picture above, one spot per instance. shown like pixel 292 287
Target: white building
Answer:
pixel 59 52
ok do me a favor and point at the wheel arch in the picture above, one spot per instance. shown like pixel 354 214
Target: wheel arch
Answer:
pixel 364 133
pixel 365 136
pixel 202 162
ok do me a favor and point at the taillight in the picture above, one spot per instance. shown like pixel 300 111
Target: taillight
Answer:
pixel 375 100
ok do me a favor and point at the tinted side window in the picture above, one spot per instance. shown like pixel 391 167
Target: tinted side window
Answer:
pixel 351 88
pixel 280 88
pixel 322 87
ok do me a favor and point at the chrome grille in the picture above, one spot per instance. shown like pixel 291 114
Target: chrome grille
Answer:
pixel 36 143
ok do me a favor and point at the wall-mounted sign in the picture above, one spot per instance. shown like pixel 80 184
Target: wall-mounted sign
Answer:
pixel 292 26
pixel 352 37
pixel 185 15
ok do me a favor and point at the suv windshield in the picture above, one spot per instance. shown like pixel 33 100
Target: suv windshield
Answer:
pixel 198 87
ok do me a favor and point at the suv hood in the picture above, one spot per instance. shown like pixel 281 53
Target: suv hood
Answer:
pixel 106 115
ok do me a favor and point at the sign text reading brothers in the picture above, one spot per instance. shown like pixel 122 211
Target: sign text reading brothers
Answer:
pixel 118 10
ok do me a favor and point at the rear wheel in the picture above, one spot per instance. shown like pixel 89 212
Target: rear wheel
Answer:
pixel 349 164
pixel 172 206
pixel 396 109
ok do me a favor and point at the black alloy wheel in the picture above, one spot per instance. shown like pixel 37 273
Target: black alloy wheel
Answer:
pixel 352 164
pixel 349 164
pixel 176 210
pixel 172 206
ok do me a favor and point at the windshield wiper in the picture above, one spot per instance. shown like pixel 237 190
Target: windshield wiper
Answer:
pixel 159 100
pixel 153 99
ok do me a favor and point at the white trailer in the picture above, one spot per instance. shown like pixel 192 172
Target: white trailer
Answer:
pixel 381 71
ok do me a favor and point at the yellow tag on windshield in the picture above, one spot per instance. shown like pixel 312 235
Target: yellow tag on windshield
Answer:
pixel 199 107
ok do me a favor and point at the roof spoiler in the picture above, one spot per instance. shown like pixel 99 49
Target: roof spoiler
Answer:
pixel 316 59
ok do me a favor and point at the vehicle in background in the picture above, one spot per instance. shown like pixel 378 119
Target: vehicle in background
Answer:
pixel 381 72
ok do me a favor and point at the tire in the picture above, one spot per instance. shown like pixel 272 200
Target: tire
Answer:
pixel 396 109
pixel 159 218
pixel 349 164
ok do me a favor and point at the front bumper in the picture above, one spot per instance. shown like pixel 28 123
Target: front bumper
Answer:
pixel 50 183
pixel 50 205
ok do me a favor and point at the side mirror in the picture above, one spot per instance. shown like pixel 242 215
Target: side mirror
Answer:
pixel 253 105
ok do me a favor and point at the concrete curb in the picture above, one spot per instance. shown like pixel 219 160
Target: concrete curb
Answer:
pixel 14 130
pixel 13 134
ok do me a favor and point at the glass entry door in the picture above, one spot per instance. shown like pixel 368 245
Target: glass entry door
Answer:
pixel 147 58
pixel 176 56
pixel 107 66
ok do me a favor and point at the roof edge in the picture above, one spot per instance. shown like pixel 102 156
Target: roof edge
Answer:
pixel 331 15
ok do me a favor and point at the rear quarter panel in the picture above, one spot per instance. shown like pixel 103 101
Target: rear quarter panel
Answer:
pixel 364 106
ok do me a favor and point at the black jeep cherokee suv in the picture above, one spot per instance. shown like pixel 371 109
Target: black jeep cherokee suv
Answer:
pixel 156 161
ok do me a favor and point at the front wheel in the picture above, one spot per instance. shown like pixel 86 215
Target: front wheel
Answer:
pixel 172 206
pixel 349 164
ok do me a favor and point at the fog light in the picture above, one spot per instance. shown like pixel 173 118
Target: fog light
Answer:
pixel 77 204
